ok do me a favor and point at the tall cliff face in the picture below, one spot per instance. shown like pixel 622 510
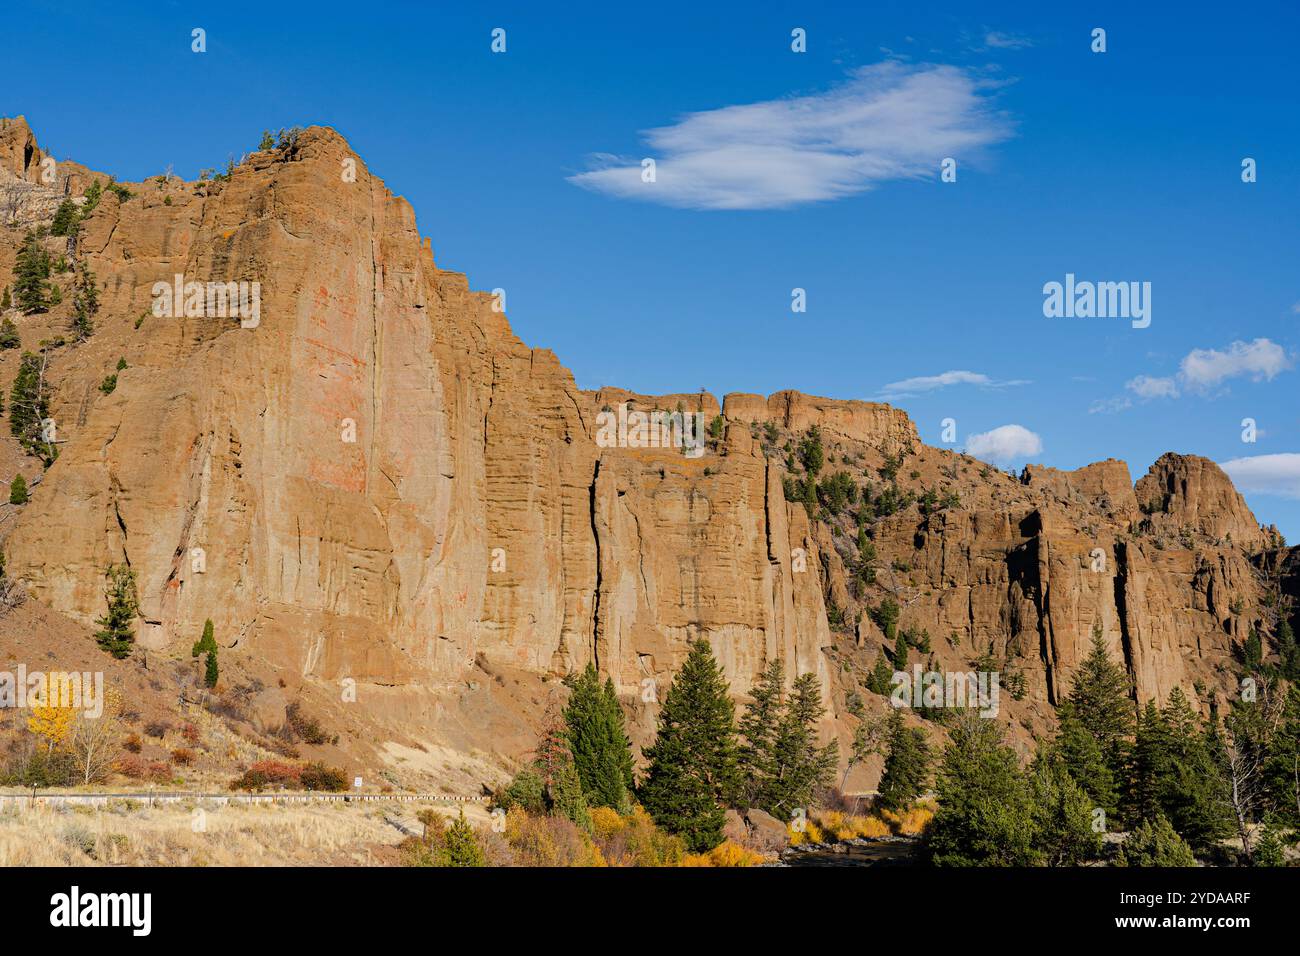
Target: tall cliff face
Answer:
pixel 379 481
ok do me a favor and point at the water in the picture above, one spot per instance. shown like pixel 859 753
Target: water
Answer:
pixel 899 851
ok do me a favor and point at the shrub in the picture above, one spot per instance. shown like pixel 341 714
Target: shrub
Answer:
pixel 1155 844
pixel 268 773
pixel 550 841
pixel 18 491
pixel 191 734
pixel 307 728
pixel 317 776
pixel 131 766
pixel 157 728
pixel 133 743
pixel 725 854
pixel 182 757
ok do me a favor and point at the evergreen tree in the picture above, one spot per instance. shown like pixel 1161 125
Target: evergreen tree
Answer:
pixel 1282 769
pixel 117 634
pixel 1188 793
pixel 986 814
pixel 691 767
pixel 31 274
pixel 900 653
pixel 758 729
pixel 29 402
pixel 211 672
pixel 18 491
pixel 93 195
pixel 802 768
pixel 207 643
pixel 65 219
pixel 1155 843
pixel 561 788
pixel 1288 650
pixel 9 338
pixel 907 764
pixel 1252 652
pixel 6 300
pixel 602 754
pixel 1082 757
pixel 1151 767
pixel 880 680
pixel 1063 814
pixel 267 142
pixel 461 847
pixel 1101 705
pixel 85 303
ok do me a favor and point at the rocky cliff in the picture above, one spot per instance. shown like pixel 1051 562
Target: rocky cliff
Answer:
pixel 373 480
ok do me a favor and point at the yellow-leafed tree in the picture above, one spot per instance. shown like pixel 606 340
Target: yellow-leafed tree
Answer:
pixel 52 724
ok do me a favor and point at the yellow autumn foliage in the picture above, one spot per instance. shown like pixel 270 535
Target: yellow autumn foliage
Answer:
pixel 724 854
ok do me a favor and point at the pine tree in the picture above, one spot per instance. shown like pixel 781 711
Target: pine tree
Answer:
pixel 9 338
pixel 691 767
pixel 1188 793
pixel 1288 650
pixel 207 643
pixel 211 672
pixel 758 729
pixel 461 847
pixel 1151 765
pixel 986 814
pixel 267 142
pixel 1155 843
pixel 1063 814
pixel 907 764
pixel 1252 652
pixel 1098 705
pixel 31 274
pixel 85 303
pixel 553 764
pixel 6 300
pixel 880 680
pixel 116 634
pixel 598 740
pixel 29 404
pixel 65 219
pixel 18 491
pixel 93 195
pixel 801 767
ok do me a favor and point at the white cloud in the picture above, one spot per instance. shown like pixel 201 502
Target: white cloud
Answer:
pixel 1266 474
pixel 929 383
pixel 1005 443
pixel 1144 386
pixel 890 121
pixel 1110 406
pixel 1201 370
pixel 1261 359
pixel 1005 41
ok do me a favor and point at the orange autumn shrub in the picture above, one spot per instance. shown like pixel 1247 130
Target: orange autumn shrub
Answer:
pixel 724 854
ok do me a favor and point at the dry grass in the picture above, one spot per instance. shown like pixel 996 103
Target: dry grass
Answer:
pixel 331 834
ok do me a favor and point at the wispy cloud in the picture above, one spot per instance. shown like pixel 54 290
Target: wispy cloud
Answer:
pixel 993 40
pixel 930 383
pixel 1203 371
pixel 887 122
pixel 1266 474
pixel 1006 443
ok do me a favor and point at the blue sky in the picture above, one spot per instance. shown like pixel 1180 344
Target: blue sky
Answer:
pixel 780 170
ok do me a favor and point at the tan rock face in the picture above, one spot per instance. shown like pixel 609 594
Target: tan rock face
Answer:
pixel 377 480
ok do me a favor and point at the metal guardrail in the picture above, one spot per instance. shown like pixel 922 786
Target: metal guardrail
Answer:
pixel 172 796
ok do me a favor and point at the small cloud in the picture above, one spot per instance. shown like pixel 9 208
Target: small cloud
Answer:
pixel 1296 308
pixel 1004 444
pixel 1266 474
pixel 1261 359
pixel 929 383
pixel 1110 406
pixel 1144 386
pixel 993 40
pixel 887 122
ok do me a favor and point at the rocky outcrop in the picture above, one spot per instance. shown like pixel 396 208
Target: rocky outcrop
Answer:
pixel 374 479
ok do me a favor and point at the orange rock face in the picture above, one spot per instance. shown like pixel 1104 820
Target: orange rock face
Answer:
pixel 378 480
